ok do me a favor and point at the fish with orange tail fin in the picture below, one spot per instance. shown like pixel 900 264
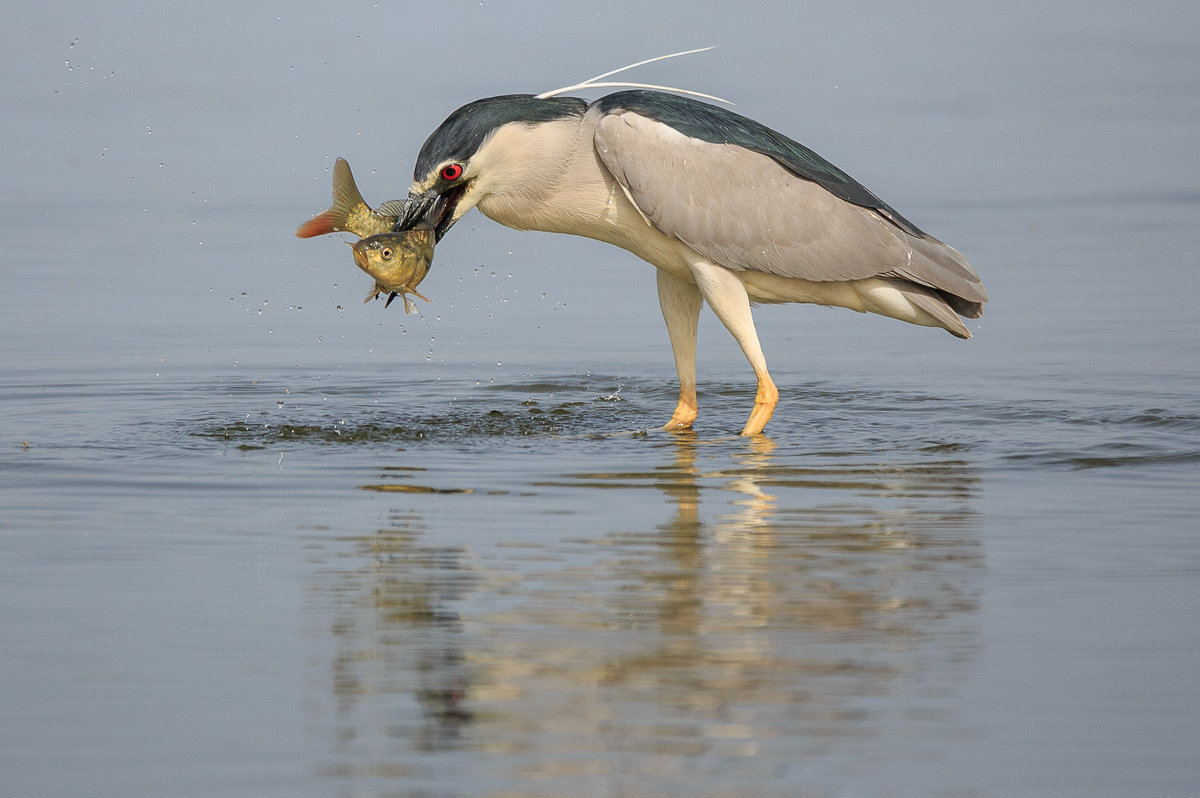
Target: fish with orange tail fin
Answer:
pixel 397 261
pixel 350 212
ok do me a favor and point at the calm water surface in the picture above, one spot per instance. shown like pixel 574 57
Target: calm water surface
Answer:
pixel 259 539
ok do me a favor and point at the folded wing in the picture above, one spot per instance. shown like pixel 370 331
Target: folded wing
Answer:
pixel 749 209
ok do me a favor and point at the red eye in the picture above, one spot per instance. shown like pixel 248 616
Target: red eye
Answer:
pixel 452 172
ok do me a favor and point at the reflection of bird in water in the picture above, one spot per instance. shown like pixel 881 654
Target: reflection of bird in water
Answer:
pixel 778 592
pixel 842 544
pixel 402 637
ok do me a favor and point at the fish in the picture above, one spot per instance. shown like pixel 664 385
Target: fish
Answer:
pixel 398 262
pixel 350 212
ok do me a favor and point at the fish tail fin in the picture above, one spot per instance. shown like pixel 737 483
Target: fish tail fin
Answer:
pixel 319 225
pixel 346 197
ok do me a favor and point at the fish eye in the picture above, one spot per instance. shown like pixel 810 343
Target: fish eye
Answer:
pixel 452 172
pixel 386 252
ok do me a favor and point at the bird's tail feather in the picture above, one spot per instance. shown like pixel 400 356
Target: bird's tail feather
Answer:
pixel 916 304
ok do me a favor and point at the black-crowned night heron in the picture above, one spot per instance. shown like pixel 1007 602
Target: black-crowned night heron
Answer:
pixel 730 211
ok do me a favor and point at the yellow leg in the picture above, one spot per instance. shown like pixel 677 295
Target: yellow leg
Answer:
pixel 680 303
pixel 765 400
pixel 727 296
pixel 685 411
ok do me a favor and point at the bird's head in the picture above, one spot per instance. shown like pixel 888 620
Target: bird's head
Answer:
pixel 479 149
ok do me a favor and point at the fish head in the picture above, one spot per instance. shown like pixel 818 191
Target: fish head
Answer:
pixel 396 260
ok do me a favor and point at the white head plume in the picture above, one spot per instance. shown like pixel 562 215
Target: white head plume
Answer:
pixel 594 82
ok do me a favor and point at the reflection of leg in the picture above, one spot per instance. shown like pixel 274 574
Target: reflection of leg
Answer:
pixel 679 485
pixel 727 297
pixel 754 463
pixel 680 303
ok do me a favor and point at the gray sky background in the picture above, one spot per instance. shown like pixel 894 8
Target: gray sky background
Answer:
pixel 222 102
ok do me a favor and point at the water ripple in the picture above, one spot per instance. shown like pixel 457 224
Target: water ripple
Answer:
pixel 819 419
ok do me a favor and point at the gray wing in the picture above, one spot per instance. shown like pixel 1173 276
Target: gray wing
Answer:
pixel 745 211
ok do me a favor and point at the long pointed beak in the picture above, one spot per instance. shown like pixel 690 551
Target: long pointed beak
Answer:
pixel 422 209
pixel 433 209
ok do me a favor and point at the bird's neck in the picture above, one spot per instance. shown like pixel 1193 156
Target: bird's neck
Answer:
pixel 549 178
pixel 545 177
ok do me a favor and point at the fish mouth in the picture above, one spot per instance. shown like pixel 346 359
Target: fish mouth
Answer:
pixel 432 210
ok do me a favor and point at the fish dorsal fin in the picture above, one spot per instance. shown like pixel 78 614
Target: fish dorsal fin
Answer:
pixel 392 208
